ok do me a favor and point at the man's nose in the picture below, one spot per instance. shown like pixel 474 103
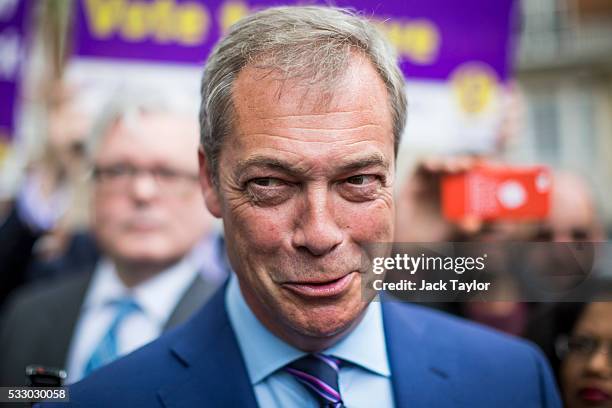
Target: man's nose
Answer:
pixel 316 229
pixel 562 236
pixel 143 187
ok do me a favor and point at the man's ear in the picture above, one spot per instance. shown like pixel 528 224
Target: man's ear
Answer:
pixel 210 192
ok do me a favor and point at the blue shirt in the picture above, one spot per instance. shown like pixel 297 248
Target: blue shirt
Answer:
pixel 364 383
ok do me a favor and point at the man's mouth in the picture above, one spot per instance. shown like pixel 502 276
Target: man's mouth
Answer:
pixel 142 225
pixel 143 228
pixel 321 288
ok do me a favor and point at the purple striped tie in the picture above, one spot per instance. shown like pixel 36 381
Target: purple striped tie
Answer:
pixel 319 374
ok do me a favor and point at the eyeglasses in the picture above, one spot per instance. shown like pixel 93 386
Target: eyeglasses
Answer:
pixel 120 177
pixel 582 346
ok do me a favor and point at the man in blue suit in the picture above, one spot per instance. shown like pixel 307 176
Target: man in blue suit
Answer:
pixel 301 117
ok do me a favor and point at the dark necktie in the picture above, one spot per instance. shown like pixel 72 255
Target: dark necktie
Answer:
pixel 319 374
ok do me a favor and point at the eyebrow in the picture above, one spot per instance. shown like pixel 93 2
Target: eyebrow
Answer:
pixel 361 162
pixel 269 163
pixel 351 164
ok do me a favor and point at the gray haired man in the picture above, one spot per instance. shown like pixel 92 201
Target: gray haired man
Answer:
pixel 302 111
pixel 147 218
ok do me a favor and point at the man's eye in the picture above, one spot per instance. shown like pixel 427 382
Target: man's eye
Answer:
pixel 361 179
pixel 119 170
pixel 267 182
pixel 269 191
pixel 165 174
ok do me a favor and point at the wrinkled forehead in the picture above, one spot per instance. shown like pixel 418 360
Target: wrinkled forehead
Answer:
pixel 262 89
pixel 358 94
pixel 311 126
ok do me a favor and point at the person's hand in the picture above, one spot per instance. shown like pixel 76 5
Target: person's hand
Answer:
pixel 419 217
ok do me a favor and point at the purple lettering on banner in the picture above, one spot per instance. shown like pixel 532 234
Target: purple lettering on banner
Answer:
pixel 433 37
pixel 13 30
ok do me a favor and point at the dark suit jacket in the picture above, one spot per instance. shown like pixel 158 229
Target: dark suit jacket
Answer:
pixel 15 251
pixel 19 265
pixel 39 322
pixel 436 361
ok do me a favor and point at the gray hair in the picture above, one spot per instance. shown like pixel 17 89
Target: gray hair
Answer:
pixel 127 102
pixel 314 43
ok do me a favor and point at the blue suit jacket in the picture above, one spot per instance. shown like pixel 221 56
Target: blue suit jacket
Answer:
pixel 436 361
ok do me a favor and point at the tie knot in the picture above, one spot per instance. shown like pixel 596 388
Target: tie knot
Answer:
pixel 319 374
pixel 123 308
pixel 125 305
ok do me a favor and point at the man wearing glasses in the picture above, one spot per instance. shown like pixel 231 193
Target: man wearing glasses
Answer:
pixel 147 218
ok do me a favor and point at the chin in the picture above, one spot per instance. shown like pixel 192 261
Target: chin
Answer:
pixel 147 255
pixel 328 321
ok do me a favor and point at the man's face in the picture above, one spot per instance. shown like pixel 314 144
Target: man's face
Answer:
pixel 147 203
pixel 303 185
pixel 572 215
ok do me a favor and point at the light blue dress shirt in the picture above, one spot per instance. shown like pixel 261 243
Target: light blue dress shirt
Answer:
pixel 366 382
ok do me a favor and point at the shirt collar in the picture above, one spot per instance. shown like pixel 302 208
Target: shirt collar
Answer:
pixel 157 296
pixel 264 353
pixel 365 346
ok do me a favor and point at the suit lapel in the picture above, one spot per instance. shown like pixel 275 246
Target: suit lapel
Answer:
pixel 196 295
pixel 60 322
pixel 421 368
pixel 215 373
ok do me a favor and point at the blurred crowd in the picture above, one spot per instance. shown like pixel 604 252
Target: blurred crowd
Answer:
pixel 111 217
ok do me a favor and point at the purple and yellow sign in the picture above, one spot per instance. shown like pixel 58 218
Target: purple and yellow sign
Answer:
pixel 13 20
pixel 456 55
pixel 434 38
